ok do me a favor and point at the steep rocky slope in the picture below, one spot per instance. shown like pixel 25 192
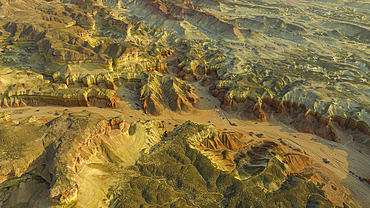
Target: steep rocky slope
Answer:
pixel 62 158
pixel 83 159
pixel 304 64
pixel 287 59
pixel 91 37
pixel 55 59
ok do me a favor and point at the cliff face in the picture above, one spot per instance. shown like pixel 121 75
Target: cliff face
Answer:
pixel 299 107
pixel 157 91
pixel 119 24
pixel 31 89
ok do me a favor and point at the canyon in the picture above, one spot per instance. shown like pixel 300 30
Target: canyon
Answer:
pixel 194 103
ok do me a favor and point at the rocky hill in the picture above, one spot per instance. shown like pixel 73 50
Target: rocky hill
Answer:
pixel 84 159
pixel 249 103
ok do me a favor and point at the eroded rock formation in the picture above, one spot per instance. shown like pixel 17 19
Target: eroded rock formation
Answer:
pixel 162 91
pixel 194 180
pixel 269 61
pixel 77 155
pixel 65 153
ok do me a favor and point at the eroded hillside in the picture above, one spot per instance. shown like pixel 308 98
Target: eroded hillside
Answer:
pixel 72 69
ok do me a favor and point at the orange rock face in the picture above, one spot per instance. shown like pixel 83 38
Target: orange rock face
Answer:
pixel 228 143
pixel 297 114
pixel 231 141
pixel 298 162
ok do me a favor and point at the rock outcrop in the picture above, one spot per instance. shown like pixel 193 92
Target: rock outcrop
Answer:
pixel 157 91
pixel 277 63
pixel 32 89
pixel 178 165
pixel 5 117
pixel 304 167
pixel 61 36
pixel 228 140
pixel 299 107
pixel 119 24
pixel 85 159
pixel 189 11
pixel 163 91
pixel 257 92
pixel 62 155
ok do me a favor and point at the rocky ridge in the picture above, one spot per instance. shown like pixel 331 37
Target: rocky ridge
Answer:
pixel 178 165
pixel 325 84
pixel 267 65
pixel 199 59
pixel 67 51
pixel 258 93
pixel 86 139
pixel 149 161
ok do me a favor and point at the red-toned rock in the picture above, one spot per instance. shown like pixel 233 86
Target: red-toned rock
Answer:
pixel 230 140
pixel 297 162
